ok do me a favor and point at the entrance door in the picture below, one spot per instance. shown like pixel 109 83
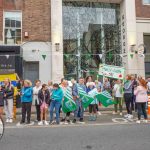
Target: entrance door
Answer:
pixel 31 71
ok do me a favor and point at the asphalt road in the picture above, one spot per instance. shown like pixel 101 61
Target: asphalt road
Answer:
pixel 82 137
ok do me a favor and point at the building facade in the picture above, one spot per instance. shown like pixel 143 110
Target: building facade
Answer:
pixel 70 38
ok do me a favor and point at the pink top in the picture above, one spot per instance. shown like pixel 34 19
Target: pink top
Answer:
pixel 141 94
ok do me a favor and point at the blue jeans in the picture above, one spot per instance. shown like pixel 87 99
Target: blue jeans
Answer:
pixel 56 105
pixel 80 110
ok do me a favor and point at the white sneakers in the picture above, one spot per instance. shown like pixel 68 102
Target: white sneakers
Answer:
pixel 128 116
pixel 139 121
pixel 9 120
pixel 41 123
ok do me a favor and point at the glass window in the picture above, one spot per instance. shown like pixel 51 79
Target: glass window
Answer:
pixel 146 1
pixel 12 27
pixel 91 35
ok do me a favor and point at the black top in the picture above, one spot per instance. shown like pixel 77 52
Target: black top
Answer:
pixel 1 98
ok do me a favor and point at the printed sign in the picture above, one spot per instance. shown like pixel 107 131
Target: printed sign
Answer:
pixel 112 71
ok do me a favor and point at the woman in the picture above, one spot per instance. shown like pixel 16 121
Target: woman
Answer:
pixel 1 101
pixel 8 103
pixel 56 97
pixel 141 99
pixel 26 99
pixel 118 95
pixel 128 85
pixel 44 99
pixel 36 102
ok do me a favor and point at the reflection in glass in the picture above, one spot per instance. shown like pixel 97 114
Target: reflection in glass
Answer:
pixel 89 31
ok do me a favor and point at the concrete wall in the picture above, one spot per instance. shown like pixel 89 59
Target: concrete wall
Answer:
pixel 57 37
pixel 33 51
pixel 128 11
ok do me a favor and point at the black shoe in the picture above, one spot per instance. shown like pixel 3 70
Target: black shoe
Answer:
pixel 62 120
pixel 74 121
pixel 22 122
pixel 68 121
pixel 81 120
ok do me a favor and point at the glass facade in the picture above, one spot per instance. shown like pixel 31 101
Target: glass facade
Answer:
pixel 91 36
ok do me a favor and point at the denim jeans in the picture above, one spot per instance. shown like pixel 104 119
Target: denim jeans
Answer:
pixel 141 107
pixel 56 105
pixel 79 109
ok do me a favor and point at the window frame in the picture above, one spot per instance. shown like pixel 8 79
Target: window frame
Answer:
pixel 146 3
pixel 17 11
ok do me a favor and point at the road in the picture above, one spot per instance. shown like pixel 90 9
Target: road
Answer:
pixel 82 137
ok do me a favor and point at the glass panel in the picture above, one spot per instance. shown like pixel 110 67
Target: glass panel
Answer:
pixel 146 1
pixel 89 31
pixel 7 22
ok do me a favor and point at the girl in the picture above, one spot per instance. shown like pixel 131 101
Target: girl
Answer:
pixel 44 99
pixel 36 102
pixel 26 99
pixel 141 99
pixel 56 97
pixel 1 101
pixel 118 94
pixel 8 103
pixel 92 106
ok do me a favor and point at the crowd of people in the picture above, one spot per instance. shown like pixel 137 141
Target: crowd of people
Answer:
pixel 49 97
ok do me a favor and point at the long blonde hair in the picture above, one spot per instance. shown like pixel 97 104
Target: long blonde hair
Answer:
pixel 28 82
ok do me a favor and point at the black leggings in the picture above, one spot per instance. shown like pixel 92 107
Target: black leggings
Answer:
pixel 128 101
pixel 141 107
pixel 26 109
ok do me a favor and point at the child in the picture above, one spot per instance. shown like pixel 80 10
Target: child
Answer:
pixel 1 101
pixel 44 99
pixel 91 90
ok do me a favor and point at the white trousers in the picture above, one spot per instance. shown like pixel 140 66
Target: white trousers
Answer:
pixel 8 107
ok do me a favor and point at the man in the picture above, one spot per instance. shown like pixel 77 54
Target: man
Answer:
pixel 77 99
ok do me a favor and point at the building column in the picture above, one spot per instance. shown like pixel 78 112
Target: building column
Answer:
pixel 57 40
pixel 128 32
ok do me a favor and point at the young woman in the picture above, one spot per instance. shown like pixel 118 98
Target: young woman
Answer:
pixel 141 99
pixel 44 99
pixel 26 99
pixel 8 103
pixel 128 85
pixel 118 95
pixel 36 102
pixel 56 97
pixel 1 101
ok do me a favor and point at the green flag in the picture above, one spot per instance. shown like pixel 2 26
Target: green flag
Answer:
pixel 86 99
pixel 105 98
pixel 68 104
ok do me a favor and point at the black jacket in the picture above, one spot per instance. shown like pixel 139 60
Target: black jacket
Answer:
pixel 44 97
pixel 9 91
pixel 1 98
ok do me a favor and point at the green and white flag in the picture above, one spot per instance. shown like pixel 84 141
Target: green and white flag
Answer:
pixel 105 98
pixel 86 99
pixel 68 104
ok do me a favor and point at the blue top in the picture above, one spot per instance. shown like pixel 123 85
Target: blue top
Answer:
pixel 27 93
pixel 128 86
pixel 57 95
pixel 75 89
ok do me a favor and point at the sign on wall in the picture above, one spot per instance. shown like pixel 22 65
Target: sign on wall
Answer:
pixel 115 72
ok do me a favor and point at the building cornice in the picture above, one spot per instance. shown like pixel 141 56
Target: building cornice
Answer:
pixel 142 20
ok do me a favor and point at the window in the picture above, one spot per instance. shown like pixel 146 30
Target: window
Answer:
pixel 145 2
pixel 12 27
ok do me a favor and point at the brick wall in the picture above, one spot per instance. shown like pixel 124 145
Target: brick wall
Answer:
pixel 36 18
pixel 142 11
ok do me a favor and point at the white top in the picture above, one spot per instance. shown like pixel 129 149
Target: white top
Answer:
pixel 117 90
pixel 35 94
pixel 148 84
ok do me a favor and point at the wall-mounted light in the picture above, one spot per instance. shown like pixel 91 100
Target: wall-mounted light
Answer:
pixel 133 48
pixel 57 45
pixel 26 34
